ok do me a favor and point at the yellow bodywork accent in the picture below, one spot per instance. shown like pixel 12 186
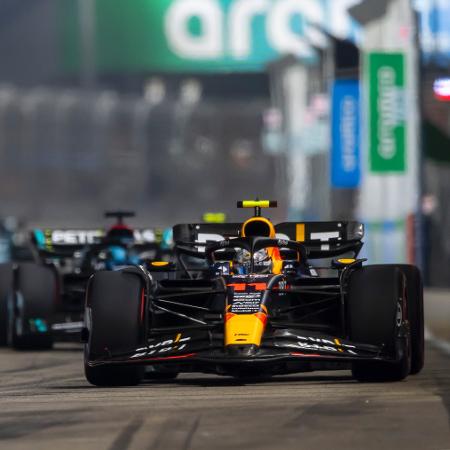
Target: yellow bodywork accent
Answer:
pixel 159 263
pixel 338 342
pixel 259 219
pixel 244 329
pixel 211 217
pixel 178 337
pixel 300 232
pixel 277 266
pixel 48 239
pixel 346 260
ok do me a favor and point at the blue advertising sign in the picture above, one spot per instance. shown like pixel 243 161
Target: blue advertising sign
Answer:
pixel 345 147
pixel 434 30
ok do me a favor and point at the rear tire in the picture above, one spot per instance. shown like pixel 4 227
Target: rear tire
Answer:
pixel 375 298
pixel 31 307
pixel 6 285
pixel 115 324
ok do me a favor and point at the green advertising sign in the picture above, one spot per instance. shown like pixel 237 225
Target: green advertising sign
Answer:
pixel 193 35
pixel 387 123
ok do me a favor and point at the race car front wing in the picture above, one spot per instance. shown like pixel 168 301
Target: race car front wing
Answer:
pixel 283 346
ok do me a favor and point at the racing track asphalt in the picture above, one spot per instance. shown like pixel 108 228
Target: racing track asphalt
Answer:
pixel 45 403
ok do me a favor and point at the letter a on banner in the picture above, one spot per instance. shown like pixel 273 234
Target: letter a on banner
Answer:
pixel 387 124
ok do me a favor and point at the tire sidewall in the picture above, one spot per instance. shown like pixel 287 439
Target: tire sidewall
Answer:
pixel 415 312
pixel 377 315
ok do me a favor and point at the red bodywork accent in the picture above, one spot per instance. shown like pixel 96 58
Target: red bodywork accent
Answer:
pixel 241 287
pixel 120 227
pixel 228 316
pixel 305 354
pixel 275 253
pixel 262 317
pixel 259 286
pixel 142 305
pixel 165 358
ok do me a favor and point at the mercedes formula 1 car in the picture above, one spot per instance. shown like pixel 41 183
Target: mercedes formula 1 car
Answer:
pixel 255 298
pixel 43 300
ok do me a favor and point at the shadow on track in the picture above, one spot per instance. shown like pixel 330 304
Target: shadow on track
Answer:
pixel 244 381
pixel 219 382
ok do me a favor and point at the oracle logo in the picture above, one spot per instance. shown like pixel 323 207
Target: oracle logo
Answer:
pixel 229 33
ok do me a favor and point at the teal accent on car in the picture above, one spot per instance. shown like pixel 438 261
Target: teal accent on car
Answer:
pixel 40 238
pixel 167 239
pixel 38 325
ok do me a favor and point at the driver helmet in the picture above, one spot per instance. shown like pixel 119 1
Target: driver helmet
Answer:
pixel 118 255
pixel 256 226
pixel 120 234
pixel 119 239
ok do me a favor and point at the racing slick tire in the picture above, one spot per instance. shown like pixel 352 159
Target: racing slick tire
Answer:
pixel 376 316
pixel 115 323
pixel 6 282
pixel 414 297
pixel 31 307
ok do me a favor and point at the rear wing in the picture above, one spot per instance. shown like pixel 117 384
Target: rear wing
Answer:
pixel 197 233
pixel 322 239
pixel 66 241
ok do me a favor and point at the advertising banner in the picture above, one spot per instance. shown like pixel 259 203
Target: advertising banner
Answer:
pixel 345 148
pixel 387 124
pixel 200 35
pixel 434 17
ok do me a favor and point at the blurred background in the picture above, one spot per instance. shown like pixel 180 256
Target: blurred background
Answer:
pixel 339 109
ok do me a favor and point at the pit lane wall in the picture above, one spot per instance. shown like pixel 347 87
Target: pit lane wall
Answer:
pixel 437 313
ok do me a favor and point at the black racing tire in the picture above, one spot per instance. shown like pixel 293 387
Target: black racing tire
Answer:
pixel 6 285
pixel 115 325
pixel 414 296
pixel 31 307
pixel 114 376
pixel 374 295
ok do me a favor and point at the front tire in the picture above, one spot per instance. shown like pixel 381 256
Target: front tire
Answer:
pixel 376 315
pixel 109 376
pixel 115 322
pixel 414 297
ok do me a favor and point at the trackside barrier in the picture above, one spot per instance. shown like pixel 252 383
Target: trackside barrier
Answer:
pixel 437 313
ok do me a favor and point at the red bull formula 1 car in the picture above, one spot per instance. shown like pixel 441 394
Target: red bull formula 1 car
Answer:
pixel 255 298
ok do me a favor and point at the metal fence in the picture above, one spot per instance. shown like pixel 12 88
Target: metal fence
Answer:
pixel 65 156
